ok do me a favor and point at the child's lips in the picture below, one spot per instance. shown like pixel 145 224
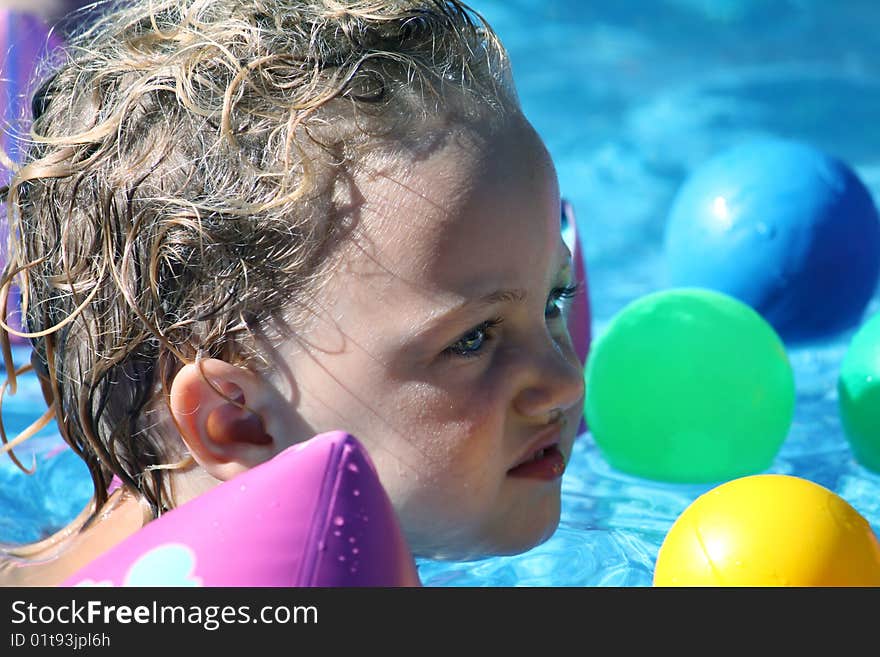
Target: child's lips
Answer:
pixel 548 464
pixel 543 459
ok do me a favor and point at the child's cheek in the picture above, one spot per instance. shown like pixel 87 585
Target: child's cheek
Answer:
pixel 457 412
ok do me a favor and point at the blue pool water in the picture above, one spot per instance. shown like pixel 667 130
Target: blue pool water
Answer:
pixel 629 96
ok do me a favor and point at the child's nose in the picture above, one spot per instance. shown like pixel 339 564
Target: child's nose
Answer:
pixel 554 379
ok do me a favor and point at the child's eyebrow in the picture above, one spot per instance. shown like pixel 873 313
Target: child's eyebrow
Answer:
pixel 502 295
pixel 514 295
pixel 440 321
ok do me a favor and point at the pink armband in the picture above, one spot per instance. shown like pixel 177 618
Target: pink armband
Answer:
pixel 315 515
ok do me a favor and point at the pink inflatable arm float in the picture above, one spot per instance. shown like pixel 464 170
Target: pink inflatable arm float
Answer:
pixel 24 40
pixel 315 515
pixel 579 318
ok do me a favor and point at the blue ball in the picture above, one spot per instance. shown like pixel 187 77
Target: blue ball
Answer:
pixel 783 227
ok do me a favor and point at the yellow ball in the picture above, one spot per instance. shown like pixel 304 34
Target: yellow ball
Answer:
pixel 769 530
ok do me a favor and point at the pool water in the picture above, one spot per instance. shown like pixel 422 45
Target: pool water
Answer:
pixel 629 97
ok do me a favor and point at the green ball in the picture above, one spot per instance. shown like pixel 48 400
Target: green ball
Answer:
pixel 858 394
pixel 689 385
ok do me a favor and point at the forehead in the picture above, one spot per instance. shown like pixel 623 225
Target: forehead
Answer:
pixel 477 205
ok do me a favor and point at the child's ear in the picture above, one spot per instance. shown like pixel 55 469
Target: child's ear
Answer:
pixel 225 433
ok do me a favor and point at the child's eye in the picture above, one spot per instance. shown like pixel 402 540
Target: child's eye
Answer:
pixel 554 308
pixel 470 344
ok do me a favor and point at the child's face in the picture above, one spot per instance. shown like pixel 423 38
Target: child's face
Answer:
pixel 448 393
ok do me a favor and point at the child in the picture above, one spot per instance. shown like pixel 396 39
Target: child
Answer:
pixel 245 222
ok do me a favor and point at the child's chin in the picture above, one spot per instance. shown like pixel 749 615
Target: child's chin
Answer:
pixel 533 539
pixel 509 544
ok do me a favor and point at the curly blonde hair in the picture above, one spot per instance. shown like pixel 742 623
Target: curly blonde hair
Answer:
pixel 186 185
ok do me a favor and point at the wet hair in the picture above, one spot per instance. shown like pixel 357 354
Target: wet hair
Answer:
pixel 189 178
